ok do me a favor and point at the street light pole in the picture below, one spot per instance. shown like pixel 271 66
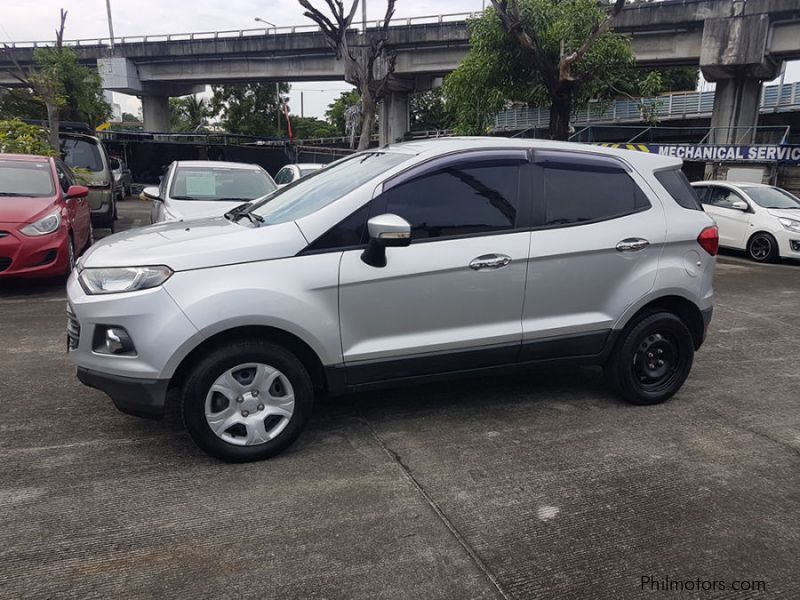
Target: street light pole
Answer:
pixel 110 24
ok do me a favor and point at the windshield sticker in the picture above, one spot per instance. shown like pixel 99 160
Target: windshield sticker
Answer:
pixel 201 184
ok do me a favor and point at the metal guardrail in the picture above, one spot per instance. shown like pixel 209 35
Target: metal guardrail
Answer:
pixel 680 105
pixel 240 33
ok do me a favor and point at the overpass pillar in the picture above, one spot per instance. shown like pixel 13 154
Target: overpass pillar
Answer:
pixel 155 112
pixel 733 54
pixel 393 121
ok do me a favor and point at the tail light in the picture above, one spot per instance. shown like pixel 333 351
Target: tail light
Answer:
pixel 709 240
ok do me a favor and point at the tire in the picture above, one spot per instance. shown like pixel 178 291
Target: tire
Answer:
pixel 258 396
pixel 763 248
pixel 70 256
pixel 663 339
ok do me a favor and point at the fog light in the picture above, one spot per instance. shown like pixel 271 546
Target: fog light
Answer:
pixel 118 341
pixel 795 245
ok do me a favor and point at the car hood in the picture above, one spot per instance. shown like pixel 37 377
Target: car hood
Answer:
pixel 792 213
pixel 196 244
pixel 196 209
pixel 24 210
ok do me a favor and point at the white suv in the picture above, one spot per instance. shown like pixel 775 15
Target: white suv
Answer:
pixel 762 219
pixel 413 261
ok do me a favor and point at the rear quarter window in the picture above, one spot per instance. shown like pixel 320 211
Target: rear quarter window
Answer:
pixel 675 182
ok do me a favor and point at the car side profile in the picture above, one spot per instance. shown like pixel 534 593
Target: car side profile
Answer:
pixel 87 158
pixel 763 220
pixel 193 189
pixel 291 173
pixel 44 217
pixel 418 260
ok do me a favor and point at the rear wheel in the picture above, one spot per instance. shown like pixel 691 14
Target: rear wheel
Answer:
pixel 70 256
pixel 763 248
pixel 652 359
pixel 247 401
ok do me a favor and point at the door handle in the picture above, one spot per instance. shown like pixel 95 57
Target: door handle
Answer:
pixel 490 261
pixel 632 245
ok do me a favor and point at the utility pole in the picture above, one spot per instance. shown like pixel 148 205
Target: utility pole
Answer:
pixel 110 24
pixel 302 108
pixel 278 104
pixel 363 16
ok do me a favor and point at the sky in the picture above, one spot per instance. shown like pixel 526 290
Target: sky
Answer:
pixel 25 20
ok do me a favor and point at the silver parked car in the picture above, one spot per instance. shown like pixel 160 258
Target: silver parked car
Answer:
pixel 291 173
pixel 412 261
pixel 191 189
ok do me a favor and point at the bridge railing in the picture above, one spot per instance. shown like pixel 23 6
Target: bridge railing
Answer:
pixel 240 33
pixel 679 105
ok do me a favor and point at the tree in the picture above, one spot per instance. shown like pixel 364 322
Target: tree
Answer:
pixel 429 111
pixel 188 114
pixel 368 65
pixel 20 103
pixel 249 109
pixel 17 137
pixel 336 110
pixel 554 52
pixel 304 128
pixel 59 83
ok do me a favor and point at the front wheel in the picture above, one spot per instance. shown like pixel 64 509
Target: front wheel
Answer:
pixel 247 401
pixel 652 359
pixel 763 248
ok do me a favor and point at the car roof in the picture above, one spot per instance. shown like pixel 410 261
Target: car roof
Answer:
pixel 216 163
pixel 455 144
pixel 309 165
pixel 731 183
pixel 25 157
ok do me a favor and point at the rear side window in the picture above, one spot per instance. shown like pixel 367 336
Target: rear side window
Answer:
pixel 473 197
pixel 587 190
pixel 675 182
pixel 82 154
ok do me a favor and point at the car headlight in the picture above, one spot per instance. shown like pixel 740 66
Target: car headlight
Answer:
pixel 44 226
pixel 790 224
pixel 115 280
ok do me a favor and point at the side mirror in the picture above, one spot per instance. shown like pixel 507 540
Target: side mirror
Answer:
pixel 77 191
pixel 151 193
pixel 385 231
pixel 740 205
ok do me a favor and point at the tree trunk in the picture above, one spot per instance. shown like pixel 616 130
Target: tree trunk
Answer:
pixel 53 123
pixel 560 111
pixel 367 118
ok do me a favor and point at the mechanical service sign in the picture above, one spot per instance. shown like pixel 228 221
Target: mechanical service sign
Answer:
pixel 784 153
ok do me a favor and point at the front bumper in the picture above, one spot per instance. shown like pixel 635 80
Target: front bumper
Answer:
pixel 138 397
pixel 23 256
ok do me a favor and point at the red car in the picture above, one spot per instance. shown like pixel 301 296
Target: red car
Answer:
pixel 45 220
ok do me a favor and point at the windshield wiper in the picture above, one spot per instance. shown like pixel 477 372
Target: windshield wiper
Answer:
pixel 240 212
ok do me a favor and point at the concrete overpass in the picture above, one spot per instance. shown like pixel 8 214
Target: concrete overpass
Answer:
pixel 736 43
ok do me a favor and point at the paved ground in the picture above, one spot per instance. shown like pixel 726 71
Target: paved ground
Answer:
pixel 540 486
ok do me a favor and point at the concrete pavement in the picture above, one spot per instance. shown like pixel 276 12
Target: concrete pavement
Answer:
pixel 541 485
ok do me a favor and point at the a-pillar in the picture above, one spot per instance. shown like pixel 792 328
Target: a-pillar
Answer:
pixel 155 112
pixel 393 122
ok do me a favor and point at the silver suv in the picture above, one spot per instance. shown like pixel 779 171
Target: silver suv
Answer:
pixel 413 261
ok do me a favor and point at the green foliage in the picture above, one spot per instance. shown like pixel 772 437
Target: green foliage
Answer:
pixel 74 89
pixel 498 69
pixel 20 103
pixel 336 110
pixel 188 114
pixel 17 137
pixel 429 111
pixel 304 128
pixel 249 109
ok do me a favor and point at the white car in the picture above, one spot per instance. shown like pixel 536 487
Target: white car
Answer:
pixel 762 219
pixel 193 189
pixel 291 173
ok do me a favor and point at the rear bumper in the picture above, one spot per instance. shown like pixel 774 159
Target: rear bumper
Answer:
pixel 138 397
pixel 708 313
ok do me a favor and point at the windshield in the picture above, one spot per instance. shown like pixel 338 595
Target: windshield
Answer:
pixel 308 171
pixel 81 154
pixel 771 197
pixel 31 179
pixel 211 184
pixel 321 188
